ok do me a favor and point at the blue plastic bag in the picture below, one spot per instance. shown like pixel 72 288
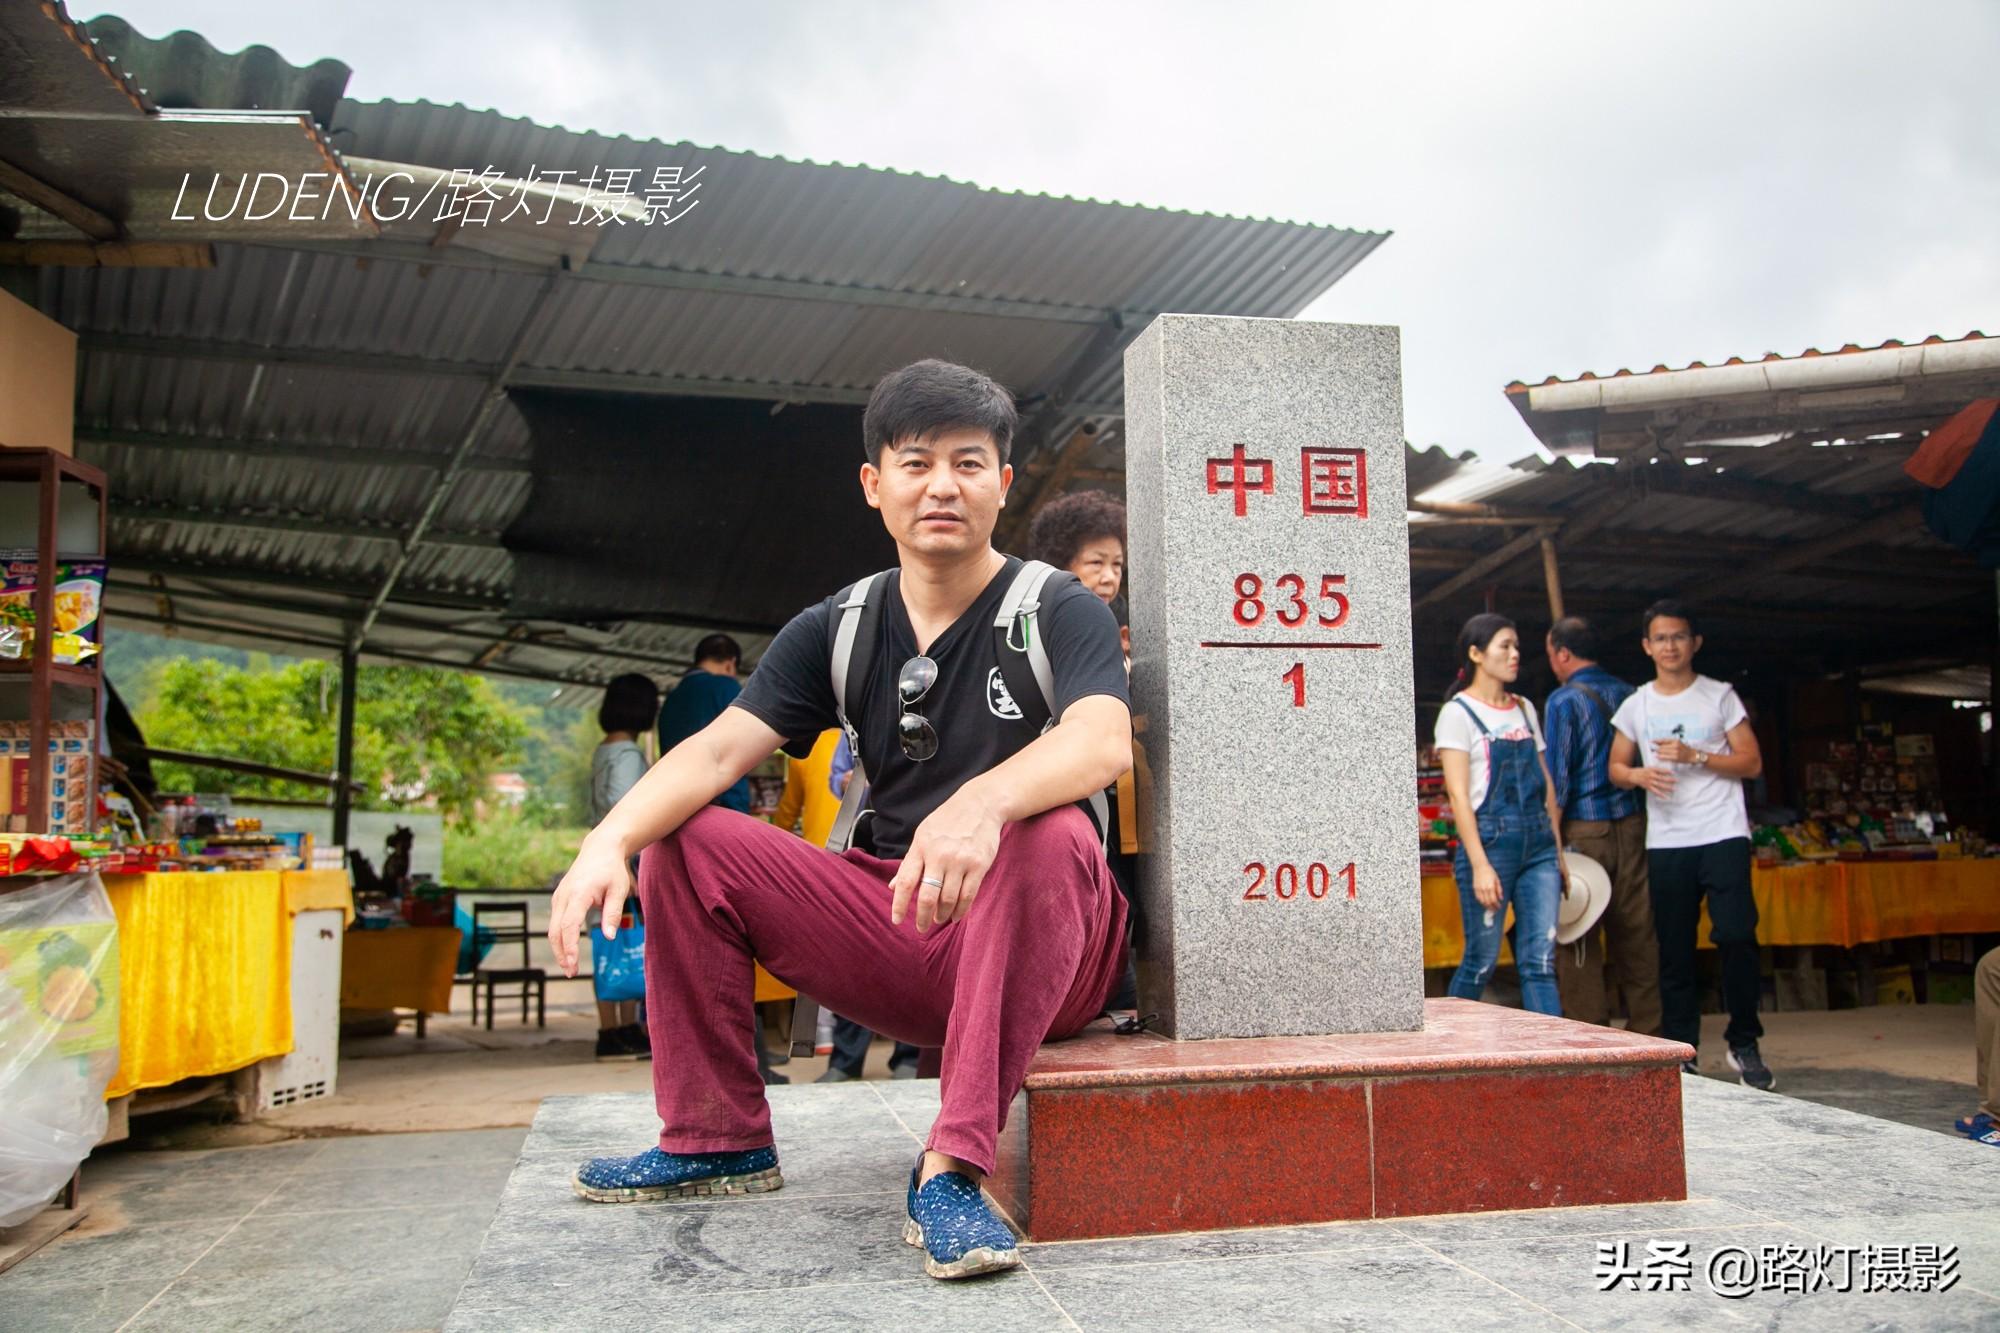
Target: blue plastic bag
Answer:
pixel 618 965
pixel 473 943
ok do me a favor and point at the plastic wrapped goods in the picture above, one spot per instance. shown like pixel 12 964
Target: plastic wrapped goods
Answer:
pixel 58 1035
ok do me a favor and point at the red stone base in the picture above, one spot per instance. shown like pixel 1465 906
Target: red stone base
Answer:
pixel 1485 1108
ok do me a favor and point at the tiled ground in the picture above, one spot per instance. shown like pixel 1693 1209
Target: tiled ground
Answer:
pixel 377 1233
pixel 360 1233
pixel 1927 1103
pixel 825 1253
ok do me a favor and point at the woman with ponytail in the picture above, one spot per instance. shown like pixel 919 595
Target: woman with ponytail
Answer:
pixel 1490 745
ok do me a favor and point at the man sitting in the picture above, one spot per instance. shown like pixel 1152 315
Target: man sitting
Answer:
pixel 976 913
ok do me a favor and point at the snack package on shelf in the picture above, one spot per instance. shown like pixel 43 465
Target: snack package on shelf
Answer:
pixel 79 594
pixel 27 854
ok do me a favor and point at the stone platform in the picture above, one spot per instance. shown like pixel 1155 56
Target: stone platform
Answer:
pixel 826 1251
pixel 1126 1135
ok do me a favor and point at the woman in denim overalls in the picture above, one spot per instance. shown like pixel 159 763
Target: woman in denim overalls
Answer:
pixel 1507 847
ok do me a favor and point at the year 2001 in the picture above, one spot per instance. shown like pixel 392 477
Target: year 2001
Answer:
pixel 1286 882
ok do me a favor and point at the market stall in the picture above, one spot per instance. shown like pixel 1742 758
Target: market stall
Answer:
pixel 1837 903
pixel 206 964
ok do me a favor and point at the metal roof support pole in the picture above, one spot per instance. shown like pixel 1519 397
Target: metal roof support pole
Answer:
pixel 343 764
pixel 261 635
pixel 1552 576
pixel 489 403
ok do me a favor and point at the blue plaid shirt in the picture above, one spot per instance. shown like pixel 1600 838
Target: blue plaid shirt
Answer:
pixel 1579 741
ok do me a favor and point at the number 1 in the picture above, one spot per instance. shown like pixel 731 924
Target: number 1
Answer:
pixel 1297 676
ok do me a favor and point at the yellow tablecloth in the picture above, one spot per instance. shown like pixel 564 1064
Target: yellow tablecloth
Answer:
pixel 1841 903
pixel 205 974
pixel 318 891
pixel 1444 924
pixel 1804 904
pixel 404 967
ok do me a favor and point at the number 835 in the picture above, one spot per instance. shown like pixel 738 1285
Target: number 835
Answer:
pixel 1291 594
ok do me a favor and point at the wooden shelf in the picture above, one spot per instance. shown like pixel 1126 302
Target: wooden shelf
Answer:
pixel 50 471
pixel 86 676
pixel 28 464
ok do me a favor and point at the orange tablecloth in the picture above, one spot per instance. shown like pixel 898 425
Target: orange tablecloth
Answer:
pixel 770 988
pixel 412 968
pixel 1841 903
pixel 204 974
pixel 1888 900
pixel 404 967
pixel 1804 904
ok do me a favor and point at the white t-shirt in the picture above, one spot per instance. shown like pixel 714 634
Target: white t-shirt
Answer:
pixel 1455 731
pixel 615 768
pixel 1705 806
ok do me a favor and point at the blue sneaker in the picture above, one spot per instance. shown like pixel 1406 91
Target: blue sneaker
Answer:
pixel 1972 1126
pixel 655 1174
pixel 959 1234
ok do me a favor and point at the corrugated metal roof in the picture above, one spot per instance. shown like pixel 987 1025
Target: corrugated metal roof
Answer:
pixel 1711 523
pixel 1518 386
pixel 221 400
pixel 184 69
pixel 1856 392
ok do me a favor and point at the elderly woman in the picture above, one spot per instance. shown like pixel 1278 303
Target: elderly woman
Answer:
pixel 1084 533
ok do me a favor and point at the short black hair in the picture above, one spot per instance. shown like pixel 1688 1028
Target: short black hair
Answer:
pixel 1670 608
pixel 927 398
pixel 631 703
pixel 718 648
pixel 1575 633
pixel 1067 525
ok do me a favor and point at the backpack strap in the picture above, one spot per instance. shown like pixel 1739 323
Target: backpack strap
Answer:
pixel 860 619
pixel 1603 707
pixel 1018 644
pixel 1023 656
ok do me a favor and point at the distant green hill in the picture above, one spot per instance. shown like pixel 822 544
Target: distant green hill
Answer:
pixel 555 757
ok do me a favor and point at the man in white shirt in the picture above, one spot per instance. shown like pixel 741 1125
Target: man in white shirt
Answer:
pixel 1686 741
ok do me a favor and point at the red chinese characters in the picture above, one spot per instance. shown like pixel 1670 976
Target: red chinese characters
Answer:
pixel 1336 481
pixel 1240 479
pixel 1331 480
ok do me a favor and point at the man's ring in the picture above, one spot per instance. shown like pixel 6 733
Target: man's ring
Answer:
pixel 934 882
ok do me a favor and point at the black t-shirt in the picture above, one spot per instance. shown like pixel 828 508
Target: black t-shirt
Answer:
pixel 978 724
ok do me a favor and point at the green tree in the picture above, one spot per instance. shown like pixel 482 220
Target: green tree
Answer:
pixel 422 735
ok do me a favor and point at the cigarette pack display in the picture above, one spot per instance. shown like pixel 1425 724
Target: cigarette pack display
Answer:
pixel 66 767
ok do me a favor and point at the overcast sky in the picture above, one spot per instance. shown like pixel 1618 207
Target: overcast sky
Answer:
pixel 1571 187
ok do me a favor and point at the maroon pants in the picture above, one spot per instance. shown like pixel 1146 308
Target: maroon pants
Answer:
pixel 1035 958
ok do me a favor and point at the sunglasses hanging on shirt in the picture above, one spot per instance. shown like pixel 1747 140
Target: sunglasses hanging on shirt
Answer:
pixel 919 737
